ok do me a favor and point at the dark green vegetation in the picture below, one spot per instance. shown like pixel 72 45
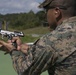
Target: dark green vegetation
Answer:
pixel 23 20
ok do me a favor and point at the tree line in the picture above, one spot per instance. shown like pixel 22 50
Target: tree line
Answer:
pixel 23 20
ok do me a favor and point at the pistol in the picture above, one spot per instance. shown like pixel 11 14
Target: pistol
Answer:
pixel 10 35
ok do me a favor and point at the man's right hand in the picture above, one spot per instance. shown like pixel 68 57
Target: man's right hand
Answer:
pixel 18 42
pixel 20 45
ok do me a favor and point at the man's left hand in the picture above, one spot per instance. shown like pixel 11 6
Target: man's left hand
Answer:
pixel 7 47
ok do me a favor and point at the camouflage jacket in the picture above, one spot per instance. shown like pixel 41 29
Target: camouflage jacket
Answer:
pixel 55 52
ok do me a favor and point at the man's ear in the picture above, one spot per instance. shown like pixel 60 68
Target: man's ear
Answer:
pixel 57 12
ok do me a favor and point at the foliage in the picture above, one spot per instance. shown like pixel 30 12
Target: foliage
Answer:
pixel 23 20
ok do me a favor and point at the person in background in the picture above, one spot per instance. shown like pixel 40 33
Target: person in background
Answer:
pixel 55 51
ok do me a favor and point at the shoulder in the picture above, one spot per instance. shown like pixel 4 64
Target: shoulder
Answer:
pixel 68 24
pixel 63 32
pixel 67 27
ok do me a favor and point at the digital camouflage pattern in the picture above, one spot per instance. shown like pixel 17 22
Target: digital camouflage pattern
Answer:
pixel 64 4
pixel 45 3
pixel 55 52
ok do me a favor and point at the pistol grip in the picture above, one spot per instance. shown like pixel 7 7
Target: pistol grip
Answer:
pixel 14 44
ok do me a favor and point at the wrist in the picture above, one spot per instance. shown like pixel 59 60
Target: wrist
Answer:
pixel 12 51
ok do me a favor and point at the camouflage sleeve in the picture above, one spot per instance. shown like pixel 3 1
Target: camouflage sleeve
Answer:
pixel 39 57
pixel 21 62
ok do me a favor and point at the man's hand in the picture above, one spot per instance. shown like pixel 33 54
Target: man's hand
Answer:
pixel 7 47
pixel 20 46
pixel 17 40
pixel 24 48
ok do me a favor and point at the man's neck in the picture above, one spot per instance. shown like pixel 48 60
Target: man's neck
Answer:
pixel 61 20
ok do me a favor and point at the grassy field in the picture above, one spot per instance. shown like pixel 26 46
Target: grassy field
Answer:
pixel 5 60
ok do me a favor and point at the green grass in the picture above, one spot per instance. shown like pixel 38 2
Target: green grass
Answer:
pixel 6 65
pixel 29 38
pixel 37 30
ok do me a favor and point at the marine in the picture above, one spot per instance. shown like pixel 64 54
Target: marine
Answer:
pixel 55 51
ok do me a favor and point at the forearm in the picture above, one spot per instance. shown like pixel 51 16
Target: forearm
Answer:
pixel 21 62
pixel 35 62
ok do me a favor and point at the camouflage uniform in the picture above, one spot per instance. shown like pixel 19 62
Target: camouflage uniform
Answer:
pixel 55 52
